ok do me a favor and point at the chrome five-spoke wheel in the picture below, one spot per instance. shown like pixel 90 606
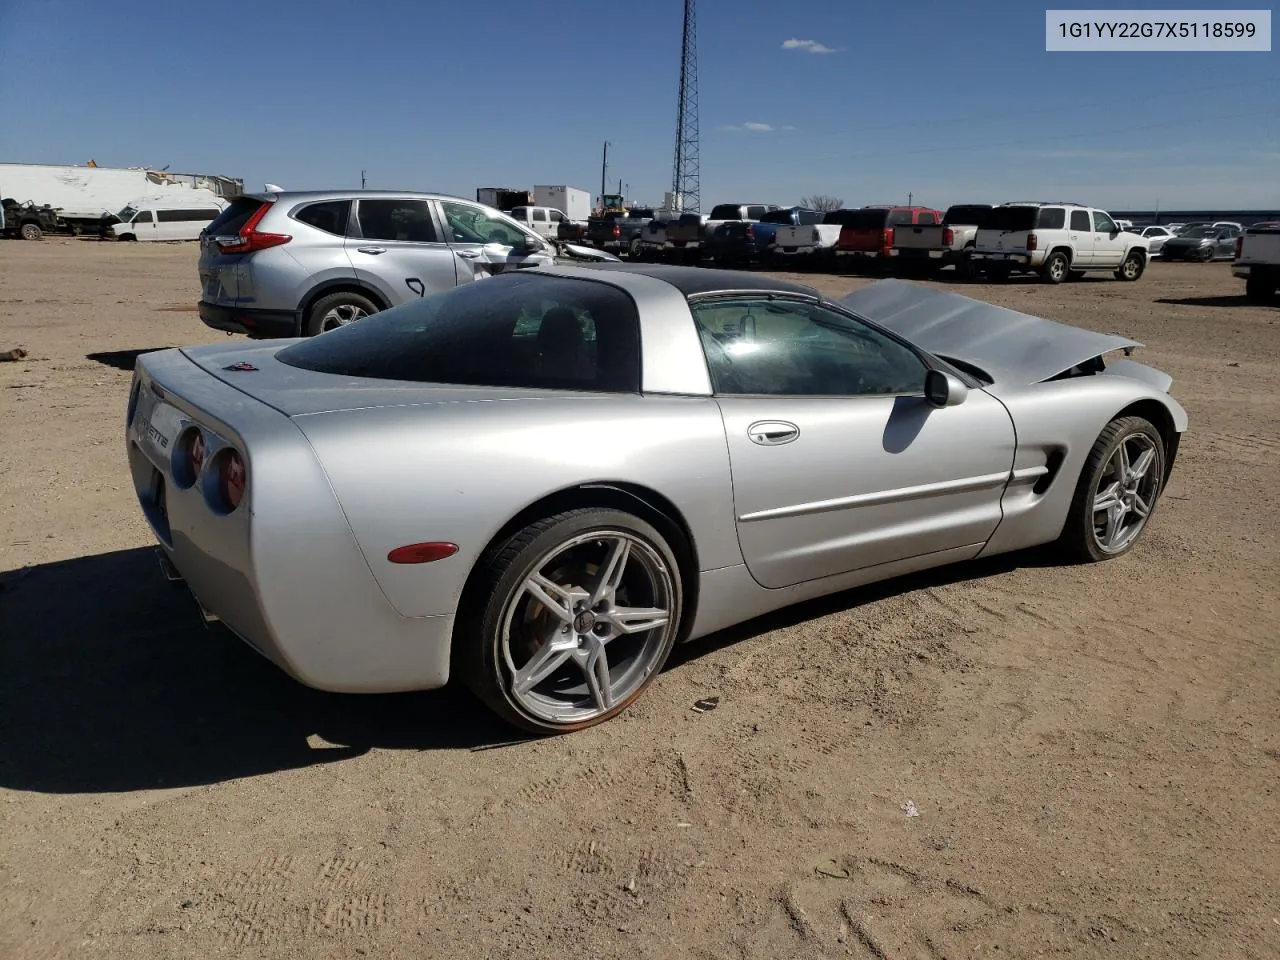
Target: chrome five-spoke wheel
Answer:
pixel 1125 493
pixel 340 315
pixel 582 615
pixel 1117 491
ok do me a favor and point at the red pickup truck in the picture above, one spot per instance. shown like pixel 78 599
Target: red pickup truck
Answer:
pixel 867 235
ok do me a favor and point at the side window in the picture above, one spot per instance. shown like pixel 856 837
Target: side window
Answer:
pixel 405 220
pixel 1080 220
pixel 927 218
pixel 557 216
pixel 539 215
pixel 791 348
pixel 468 224
pixel 169 216
pixel 1102 223
pixel 329 216
pixel 143 217
pixel 1051 218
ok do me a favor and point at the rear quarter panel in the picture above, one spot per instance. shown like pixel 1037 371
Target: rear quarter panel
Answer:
pixel 459 472
pixel 1058 422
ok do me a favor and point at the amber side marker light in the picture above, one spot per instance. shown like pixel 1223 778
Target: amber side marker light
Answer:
pixel 422 552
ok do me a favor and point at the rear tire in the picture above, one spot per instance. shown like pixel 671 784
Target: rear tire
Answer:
pixel 998 274
pixel 338 310
pixel 1056 268
pixel 1107 479
pixel 1132 267
pixel 544 666
pixel 31 231
pixel 1259 289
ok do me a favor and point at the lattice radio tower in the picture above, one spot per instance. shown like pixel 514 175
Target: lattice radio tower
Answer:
pixel 685 181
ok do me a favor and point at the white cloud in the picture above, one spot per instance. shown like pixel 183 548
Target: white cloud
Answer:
pixel 809 46
pixel 751 126
pixel 788 127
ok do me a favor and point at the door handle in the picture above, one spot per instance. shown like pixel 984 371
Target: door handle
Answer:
pixel 468 254
pixel 772 433
pixel 372 250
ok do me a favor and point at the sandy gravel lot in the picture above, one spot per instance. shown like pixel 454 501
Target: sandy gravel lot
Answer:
pixel 1094 753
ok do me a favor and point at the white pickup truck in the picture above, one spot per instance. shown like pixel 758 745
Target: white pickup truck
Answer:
pixel 811 241
pixel 1257 261
pixel 935 245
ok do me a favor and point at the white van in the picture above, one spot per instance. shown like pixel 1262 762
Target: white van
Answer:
pixel 167 219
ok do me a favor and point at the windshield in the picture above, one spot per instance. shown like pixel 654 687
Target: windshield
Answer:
pixel 1200 233
pixel 515 330
pixel 127 213
pixel 966 213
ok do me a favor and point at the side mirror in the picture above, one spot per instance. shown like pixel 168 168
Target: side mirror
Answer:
pixel 944 390
pixel 531 245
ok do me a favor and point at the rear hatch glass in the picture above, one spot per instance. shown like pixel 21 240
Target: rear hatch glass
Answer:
pixel 234 217
pixel 777 216
pixel 866 219
pixel 967 213
pixel 899 218
pixel 841 217
pixel 1009 219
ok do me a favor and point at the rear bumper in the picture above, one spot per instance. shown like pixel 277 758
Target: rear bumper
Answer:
pixel 1012 259
pixel 918 253
pixel 250 320
pixel 870 254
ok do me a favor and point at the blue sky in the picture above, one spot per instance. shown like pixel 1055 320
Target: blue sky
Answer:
pixel 948 101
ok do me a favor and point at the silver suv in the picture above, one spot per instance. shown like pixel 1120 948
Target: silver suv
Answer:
pixel 290 264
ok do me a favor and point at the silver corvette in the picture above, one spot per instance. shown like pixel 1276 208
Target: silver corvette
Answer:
pixel 543 481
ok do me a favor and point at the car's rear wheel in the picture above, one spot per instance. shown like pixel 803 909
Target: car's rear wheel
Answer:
pixel 31 231
pixel 1132 267
pixel 1117 491
pixel 998 273
pixel 1056 267
pixel 1259 289
pixel 578 613
pixel 337 310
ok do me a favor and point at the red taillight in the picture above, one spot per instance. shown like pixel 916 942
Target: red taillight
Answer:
pixel 617 231
pixel 231 478
pixel 1032 241
pixel 886 239
pixel 249 239
pixel 948 236
pixel 423 552
pixel 1239 245
pixel 751 232
pixel 193 444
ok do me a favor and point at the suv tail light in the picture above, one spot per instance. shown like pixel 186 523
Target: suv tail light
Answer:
pixel 1032 241
pixel 886 240
pixel 250 239
pixel 948 236
pixel 1239 245
pixel 617 231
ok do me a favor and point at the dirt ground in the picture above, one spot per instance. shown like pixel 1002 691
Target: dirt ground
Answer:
pixel 1093 753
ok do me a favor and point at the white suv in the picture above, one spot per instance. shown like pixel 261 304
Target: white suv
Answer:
pixel 1056 240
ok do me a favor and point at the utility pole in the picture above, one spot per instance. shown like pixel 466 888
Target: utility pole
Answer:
pixel 604 173
pixel 361 179
pixel 909 196
pixel 686 181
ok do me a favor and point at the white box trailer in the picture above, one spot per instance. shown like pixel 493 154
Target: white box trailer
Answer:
pixel 571 201
pixel 82 195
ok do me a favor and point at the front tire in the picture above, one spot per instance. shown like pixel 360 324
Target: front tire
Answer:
pixel 31 231
pixel 1117 491
pixel 337 310
pixel 1056 268
pixel 575 615
pixel 1132 268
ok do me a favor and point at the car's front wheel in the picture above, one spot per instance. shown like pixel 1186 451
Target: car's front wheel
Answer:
pixel 337 310
pixel 1117 491
pixel 31 231
pixel 1132 267
pixel 574 617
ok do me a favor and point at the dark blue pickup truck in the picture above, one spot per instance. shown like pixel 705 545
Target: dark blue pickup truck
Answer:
pixel 742 241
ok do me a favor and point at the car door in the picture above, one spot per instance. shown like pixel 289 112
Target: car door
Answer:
pixel 486 244
pixel 1226 246
pixel 397 248
pixel 1108 242
pixel 839 462
pixel 1080 233
pixel 144 225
